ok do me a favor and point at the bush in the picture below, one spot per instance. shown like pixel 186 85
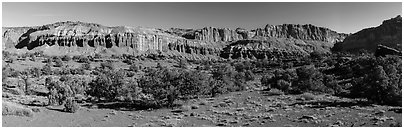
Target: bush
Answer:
pixel 108 65
pixel 134 68
pixel 58 90
pixel 66 58
pixel 183 63
pixel 283 85
pixel 46 69
pixel 106 85
pixel 71 105
pixel 166 85
pixel 58 62
pixel 9 108
pixel 249 75
pixel 309 80
pixel 279 79
pixel 86 66
pixel 81 59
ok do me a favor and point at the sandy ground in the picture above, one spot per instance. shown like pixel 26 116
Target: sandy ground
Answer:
pixel 248 108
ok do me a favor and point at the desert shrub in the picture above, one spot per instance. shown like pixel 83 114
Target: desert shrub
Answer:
pixel 35 72
pixel 81 59
pixel 309 80
pixel 58 91
pixel 279 79
pixel 46 69
pixel 58 62
pixel 183 63
pixel 134 68
pixel 128 61
pixel 75 71
pixel 130 74
pixel 106 85
pixel 86 66
pixel 229 77
pixel 249 75
pixel 266 80
pixel 283 85
pixel 242 66
pixel 97 56
pixel 9 108
pixel 108 65
pixel 168 85
pixel 66 58
pixel 130 91
pixel 71 105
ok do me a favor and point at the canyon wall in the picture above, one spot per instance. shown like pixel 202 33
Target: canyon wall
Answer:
pixel 279 40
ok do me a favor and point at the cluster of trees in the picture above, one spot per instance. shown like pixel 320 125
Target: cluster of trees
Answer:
pixel 362 76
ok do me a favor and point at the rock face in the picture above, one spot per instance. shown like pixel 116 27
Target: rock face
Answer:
pixel 286 39
pixel 264 42
pixel 389 34
pixel 79 34
pixel 303 32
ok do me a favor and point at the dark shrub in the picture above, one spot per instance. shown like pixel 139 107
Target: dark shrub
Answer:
pixel 66 58
pixel 46 69
pixel 272 80
pixel 106 85
pixel 71 105
pixel 81 59
pixel 249 75
pixel 86 66
pixel 134 68
pixel 309 80
pixel 168 85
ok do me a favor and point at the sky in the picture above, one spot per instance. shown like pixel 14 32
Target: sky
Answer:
pixel 341 17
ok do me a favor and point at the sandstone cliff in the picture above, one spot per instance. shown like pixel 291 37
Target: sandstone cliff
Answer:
pixel 89 38
pixel 389 33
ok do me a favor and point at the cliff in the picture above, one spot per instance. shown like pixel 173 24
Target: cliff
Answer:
pixel 89 38
pixel 389 34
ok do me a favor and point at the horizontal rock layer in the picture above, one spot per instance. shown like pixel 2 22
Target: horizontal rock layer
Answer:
pixel 280 40
pixel 303 32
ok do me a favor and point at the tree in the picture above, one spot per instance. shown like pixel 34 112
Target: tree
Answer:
pixel 107 84
pixel 309 80
pixel 26 76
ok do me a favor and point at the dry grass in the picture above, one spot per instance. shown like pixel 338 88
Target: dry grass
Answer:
pixel 308 96
pixel 10 108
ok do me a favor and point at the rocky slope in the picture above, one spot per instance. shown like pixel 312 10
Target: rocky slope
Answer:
pixel 389 33
pixel 90 38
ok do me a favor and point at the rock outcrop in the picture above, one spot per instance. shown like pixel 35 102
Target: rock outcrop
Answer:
pixel 389 34
pixel 281 40
pixel 79 34
pixel 303 32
